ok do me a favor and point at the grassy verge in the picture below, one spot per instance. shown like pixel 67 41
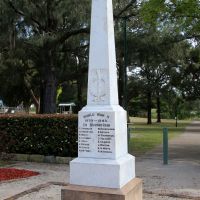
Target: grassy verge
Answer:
pixel 146 137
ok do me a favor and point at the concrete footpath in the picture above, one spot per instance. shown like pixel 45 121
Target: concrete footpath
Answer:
pixel 178 180
pixel 181 178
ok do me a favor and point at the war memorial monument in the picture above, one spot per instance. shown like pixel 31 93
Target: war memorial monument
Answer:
pixel 103 169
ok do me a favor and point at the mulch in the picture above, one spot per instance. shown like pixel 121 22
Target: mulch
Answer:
pixel 12 173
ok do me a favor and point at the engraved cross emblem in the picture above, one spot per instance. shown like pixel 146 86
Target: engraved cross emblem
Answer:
pixel 98 90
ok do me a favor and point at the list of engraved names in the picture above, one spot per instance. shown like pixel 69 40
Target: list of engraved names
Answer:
pixel 96 133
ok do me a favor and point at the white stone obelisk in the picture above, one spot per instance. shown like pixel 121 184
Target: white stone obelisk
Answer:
pixel 103 160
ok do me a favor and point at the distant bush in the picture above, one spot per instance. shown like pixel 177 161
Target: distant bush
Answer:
pixel 39 134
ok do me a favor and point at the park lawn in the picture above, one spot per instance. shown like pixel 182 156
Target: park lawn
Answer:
pixel 146 137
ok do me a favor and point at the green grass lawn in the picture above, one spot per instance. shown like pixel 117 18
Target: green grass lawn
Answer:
pixel 146 137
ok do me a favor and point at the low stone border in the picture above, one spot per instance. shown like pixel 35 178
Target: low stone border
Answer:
pixel 173 195
pixel 35 189
pixel 36 158
pixel 45 185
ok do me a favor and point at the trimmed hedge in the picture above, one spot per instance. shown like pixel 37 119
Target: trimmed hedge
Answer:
pixel 39 134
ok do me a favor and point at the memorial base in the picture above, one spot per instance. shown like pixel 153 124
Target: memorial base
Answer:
pixel 131 191
pixel 102 172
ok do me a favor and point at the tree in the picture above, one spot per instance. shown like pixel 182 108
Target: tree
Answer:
pixel 190 82
pixel 49 25
pixel 178 18
pixel 155 44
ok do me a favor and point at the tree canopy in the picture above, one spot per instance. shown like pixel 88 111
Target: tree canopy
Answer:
pixel 44 53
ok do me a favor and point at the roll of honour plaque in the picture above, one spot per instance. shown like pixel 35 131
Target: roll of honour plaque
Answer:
pixel 103 160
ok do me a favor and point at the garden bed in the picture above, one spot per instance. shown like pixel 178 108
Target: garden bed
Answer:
pixel 12 173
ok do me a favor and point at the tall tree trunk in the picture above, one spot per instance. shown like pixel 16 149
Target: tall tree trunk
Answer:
pixel 158 108
pixel 49 101
pixel 149 120
pixel 49 86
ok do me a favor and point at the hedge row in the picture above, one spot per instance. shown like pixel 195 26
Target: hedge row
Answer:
pixel 39 134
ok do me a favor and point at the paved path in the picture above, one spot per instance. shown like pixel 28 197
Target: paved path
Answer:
pixel 178 180
pixel 182 176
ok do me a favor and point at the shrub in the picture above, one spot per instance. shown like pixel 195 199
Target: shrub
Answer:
pixel 39 134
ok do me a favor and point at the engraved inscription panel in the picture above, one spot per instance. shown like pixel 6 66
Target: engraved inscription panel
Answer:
pixel 96 134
